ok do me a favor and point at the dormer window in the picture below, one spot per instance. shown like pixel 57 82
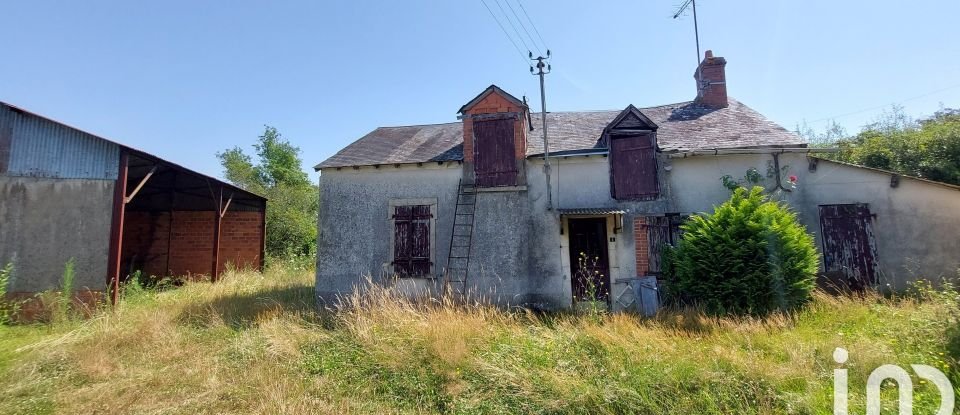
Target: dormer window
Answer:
pixel 632 142
pixel 494 139
pixel 494 152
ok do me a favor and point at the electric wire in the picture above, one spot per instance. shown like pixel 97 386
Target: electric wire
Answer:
pixel 524 27
pixel 510 38
pixel 924 95
pixel 514 27
pixel 532 25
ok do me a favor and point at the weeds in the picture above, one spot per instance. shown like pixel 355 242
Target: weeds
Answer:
pixel 255 343
pixel 64 301
pixel 8 307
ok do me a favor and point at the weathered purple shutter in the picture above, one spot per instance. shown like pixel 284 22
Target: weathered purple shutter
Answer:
pixel 411 240
pixel 420 241
pixel 633 165
pixel 494 156
pixel 848 245
pixel 401 239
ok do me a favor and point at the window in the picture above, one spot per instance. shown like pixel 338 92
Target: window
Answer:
pixel 411 240
pixel 633 167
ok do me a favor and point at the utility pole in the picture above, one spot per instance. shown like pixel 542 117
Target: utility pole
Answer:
pixel 696 36
pixel 543 117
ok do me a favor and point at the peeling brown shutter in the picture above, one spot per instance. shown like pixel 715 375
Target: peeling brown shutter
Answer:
pixel 411 240
pixel 633 165
pixel 494 156
pixel 848 245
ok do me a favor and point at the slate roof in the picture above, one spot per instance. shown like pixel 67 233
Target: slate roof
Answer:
pixel 683 126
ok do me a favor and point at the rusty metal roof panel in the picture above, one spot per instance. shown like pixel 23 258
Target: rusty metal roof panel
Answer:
pixel 42 148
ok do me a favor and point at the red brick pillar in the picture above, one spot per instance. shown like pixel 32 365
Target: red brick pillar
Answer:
pixel 642 245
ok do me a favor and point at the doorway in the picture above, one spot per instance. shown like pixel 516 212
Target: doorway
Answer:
pixel 589 264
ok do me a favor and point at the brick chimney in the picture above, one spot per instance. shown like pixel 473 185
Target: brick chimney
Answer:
pixel 712 81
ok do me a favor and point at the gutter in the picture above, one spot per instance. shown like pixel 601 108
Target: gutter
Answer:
pixel 570 153
pixel 720 152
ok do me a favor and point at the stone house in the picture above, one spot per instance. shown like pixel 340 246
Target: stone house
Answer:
pixel 478 206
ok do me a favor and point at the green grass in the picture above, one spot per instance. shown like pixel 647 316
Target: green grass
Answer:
pixel 255 344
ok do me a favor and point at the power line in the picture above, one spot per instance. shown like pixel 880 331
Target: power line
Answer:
pixel 924 95
pixel 532 25
pixel 532 40
pixel 522 56
pixel 507 18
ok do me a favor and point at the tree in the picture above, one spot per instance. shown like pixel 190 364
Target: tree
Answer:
pixel 927 148
pixel 750 256
pixel 292 199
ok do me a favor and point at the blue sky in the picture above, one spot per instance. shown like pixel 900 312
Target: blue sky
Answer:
pixel 185 79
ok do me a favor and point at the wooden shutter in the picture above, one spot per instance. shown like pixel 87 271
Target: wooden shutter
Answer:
pixel 411 240
pixel 662 231
pixel 633 165
pixel 848 245
pixel 494 156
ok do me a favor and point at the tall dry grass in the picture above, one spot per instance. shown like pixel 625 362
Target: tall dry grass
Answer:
pixel 255 343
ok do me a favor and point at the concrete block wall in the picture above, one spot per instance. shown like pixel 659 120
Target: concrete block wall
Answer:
pixel 46 222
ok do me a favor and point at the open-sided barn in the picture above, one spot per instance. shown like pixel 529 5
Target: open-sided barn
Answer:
pixel 67 194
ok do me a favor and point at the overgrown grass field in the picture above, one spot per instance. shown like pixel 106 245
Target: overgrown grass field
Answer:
pixel 256 344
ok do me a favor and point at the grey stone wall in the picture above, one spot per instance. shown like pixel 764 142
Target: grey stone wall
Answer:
pixel 519 255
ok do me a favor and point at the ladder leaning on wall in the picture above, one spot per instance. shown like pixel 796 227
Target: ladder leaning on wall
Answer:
pixel 461 240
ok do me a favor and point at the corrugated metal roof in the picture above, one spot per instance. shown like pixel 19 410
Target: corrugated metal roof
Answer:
pixel 42 148
pixel 68 152
pixel 591 211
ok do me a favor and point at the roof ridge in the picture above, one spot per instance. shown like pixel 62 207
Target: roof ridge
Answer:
pixel 548 112
pixel 618 110
pixel 420 125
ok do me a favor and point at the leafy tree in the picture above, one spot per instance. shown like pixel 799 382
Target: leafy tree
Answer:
pixel 927 148
pixel 832 133
pixel 750 256
pixel 292 199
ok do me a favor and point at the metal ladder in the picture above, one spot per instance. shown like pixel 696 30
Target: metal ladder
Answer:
pixel 461 239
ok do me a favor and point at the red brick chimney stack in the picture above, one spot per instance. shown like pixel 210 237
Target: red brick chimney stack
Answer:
pixel 712 81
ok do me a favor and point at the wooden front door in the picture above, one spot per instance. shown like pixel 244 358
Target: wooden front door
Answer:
pixel 589 263
pixel 495 161
pixel 848 246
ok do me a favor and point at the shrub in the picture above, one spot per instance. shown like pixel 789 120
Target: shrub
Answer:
pixel 750 256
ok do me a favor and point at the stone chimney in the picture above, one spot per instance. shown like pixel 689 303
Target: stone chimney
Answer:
pixel 712 81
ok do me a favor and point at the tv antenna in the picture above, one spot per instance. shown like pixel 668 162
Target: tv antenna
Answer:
pixel 696 35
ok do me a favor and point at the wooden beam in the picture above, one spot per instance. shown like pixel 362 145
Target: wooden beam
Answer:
pixel 140 185
pixel 226 206
pixel 218 217
pixel 173 200
pixel 116 229
pixel 263 235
